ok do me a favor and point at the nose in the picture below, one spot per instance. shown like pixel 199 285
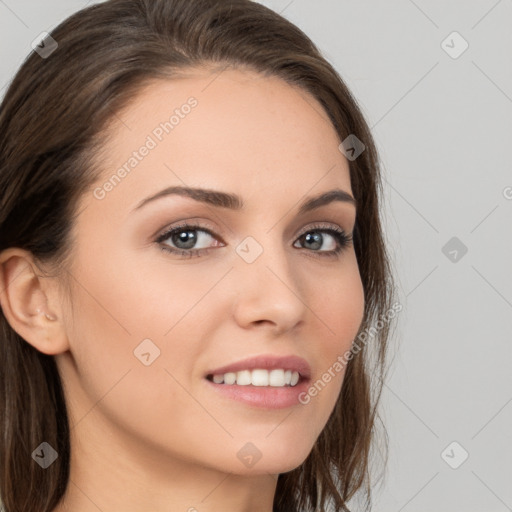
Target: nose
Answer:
pixel 269 292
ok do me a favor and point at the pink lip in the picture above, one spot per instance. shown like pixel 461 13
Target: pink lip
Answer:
pixel 267 362
pixel 264 397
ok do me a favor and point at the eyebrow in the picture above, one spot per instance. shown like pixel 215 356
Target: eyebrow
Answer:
pixel 235 202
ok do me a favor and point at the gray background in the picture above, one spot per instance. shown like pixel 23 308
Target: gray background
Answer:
pixel 443 126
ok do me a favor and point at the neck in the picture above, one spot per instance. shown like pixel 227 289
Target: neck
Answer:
pixel 119 476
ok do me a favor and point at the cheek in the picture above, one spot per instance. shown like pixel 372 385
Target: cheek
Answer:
pixel 125 307
pixel 338 303
pixel 135 296
pixel 115 316
pixel 339 308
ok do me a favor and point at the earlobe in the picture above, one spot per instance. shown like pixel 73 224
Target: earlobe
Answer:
pixel 27 299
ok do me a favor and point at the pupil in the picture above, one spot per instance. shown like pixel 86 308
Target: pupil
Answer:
pixel 316 239
pixel 187 238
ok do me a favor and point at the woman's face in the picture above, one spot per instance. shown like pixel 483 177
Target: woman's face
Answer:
pixel 148 328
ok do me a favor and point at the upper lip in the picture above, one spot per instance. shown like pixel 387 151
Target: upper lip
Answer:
pixel 267 362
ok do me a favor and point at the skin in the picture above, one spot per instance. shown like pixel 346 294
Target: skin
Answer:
pixel 157 437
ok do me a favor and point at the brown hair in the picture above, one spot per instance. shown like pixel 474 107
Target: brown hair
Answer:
pixel 51 119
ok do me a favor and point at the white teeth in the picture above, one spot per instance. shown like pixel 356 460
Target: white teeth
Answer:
pixel 243 378
pixel 218 379
pixel 229 378
pixel 259 377
pixel 277 378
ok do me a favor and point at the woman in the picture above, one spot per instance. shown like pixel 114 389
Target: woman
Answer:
pixel 195 290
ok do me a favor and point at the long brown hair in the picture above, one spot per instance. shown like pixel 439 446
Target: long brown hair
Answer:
pixel 51 119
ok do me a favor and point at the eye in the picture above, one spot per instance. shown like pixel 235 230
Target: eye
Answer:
pixel 315 238
pixel 184 239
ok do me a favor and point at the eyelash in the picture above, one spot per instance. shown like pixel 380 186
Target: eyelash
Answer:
pixel 339 235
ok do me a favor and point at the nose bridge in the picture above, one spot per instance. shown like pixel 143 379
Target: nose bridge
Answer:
pixel 266 255
pixel 268 287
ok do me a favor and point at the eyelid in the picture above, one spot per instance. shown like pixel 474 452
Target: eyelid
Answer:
pixel 321 225
pixel 190 224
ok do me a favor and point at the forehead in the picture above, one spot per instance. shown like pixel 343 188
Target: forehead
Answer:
pixel 233 129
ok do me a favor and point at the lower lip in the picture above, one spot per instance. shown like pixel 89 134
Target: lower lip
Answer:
pixel 266 397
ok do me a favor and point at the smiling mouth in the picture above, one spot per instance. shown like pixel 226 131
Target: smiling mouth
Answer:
pixel 259 377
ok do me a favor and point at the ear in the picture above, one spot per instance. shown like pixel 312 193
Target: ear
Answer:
pixel 31 303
